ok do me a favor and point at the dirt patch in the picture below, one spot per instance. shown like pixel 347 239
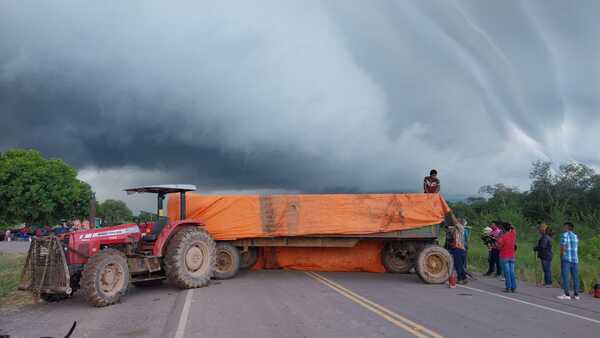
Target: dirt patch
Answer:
pixel 15 301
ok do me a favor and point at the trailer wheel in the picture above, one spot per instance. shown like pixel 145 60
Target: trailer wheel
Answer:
pixel 228 261
pixel 190 258
pixel 249 258
pixel 105 278
pixel 394 260
pixel 434 264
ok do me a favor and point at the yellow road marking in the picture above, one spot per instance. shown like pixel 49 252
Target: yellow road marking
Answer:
pixel 400 321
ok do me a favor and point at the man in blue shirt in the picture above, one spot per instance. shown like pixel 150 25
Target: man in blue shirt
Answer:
pixel 569 261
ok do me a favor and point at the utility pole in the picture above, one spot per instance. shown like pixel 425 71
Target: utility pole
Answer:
pixel 93 211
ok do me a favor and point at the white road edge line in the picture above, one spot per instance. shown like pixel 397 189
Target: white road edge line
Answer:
pixel 184 314
pixel 533 304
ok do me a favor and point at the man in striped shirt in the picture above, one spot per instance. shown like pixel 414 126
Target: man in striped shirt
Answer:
pixel 569 261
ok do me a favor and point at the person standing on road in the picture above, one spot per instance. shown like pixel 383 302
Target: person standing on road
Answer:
pixel 466 237
pixel 569 262
pixel 494 253
pixel 456 246
pixel 431 184
pixel 507 244
pixel 544 252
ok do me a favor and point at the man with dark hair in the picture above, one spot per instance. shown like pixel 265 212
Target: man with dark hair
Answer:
pixel 507 244
pixel 431 184
pixel 456 248
pixel 569 262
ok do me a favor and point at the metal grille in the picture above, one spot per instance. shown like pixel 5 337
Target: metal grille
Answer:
pixel 46 268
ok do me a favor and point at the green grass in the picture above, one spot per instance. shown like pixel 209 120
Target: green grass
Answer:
pixel 528 266
pixel 10 272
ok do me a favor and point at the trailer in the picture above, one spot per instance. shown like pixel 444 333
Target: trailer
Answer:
pixel 401 230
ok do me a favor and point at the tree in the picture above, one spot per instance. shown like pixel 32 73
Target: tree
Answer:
pixel 145 216
pixel 114 212
pixel 38 190
pixel 569 191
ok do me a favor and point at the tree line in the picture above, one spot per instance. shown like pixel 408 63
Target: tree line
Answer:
pixel 569 193
pixel 35 190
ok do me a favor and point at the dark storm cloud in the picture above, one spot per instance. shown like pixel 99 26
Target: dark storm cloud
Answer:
pixel 310 96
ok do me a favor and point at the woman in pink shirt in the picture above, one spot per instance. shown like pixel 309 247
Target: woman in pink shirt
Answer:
pixel 507 244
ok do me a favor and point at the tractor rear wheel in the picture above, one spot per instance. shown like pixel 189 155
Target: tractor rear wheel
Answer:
pixel 105 278
pixel 228 261
pixel 249 258
pixel 396 259
pixel 190 258
pixel 434 264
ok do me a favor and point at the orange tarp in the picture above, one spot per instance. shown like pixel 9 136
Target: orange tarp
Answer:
pixel 250 216
pixel 365 257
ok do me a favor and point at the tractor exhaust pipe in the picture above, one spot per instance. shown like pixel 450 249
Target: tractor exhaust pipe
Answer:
pixel 182 211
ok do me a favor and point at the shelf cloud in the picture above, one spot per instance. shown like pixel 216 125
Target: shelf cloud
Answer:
pixel 331 96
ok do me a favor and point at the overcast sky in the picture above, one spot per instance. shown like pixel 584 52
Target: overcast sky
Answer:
pixel 272 96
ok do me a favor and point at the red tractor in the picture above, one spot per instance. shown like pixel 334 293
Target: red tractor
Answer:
pixel 102 262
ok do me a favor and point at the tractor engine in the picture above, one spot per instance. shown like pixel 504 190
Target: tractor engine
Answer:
pixel 54 264
pixel 84 244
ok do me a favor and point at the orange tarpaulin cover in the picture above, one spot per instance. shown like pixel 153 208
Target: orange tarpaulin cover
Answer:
pixel 365 257
pixel 250 216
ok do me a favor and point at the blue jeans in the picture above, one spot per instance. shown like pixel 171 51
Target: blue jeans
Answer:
pixel 547 267
pixel 458 255
pixel 508 269
pixel 573 269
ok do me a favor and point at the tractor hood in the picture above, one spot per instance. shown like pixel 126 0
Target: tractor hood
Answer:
pixel 109 233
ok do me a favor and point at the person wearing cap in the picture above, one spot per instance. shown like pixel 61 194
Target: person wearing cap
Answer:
pixel 544 252
pixel 431 184
pixel 494 253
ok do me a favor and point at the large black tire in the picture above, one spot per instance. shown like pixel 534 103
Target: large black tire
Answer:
pixel 249 258
pixel 105 278
pixel 228 261
pixel 434 264
pixel 190 258
pixel 395 260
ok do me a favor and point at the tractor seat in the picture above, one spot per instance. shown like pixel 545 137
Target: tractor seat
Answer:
pixel 156 229
pixel 149 238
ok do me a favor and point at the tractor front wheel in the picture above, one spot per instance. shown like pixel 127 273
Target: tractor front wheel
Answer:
pixel 105 278
pixel 228 261
pixel 190 258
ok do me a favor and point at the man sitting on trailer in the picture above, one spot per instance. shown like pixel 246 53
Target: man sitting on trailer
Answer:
pixel 431 184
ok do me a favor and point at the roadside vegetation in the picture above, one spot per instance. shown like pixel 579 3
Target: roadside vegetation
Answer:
pixel 571 193
pixel 10 272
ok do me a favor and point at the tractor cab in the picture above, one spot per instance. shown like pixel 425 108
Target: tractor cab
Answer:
pixel 151 230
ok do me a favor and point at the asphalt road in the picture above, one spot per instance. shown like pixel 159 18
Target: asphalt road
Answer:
pixel 274 304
